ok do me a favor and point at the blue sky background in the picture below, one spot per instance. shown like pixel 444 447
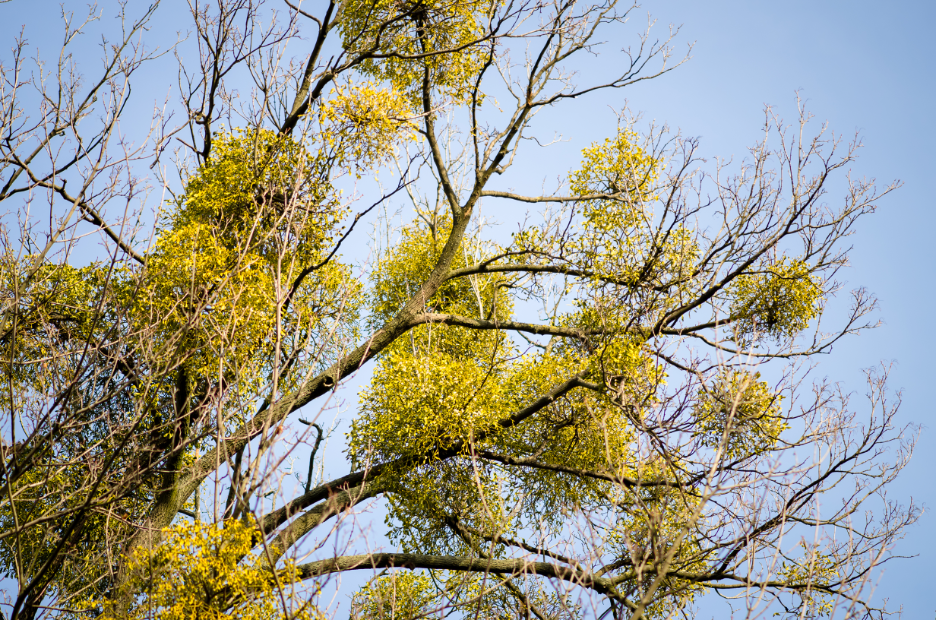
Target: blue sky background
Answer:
pixel 858 65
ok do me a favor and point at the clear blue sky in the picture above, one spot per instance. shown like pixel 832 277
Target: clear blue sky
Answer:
pixel 860 66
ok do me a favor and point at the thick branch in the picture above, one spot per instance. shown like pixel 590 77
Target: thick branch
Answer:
pixel 530 328
pixel 413 561
pixel 582 473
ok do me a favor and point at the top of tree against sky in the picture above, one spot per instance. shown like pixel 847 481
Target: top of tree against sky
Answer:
pixel 332 326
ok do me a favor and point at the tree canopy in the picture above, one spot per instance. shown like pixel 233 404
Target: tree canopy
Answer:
pixel 601 408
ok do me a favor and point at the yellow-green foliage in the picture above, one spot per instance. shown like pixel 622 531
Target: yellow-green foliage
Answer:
pixel 486 597
pixel 813 570
pixel 399 595
pixel 52 487
pixel 438 384
pixel 259 190
pixel 618 166
pixel 408 265
pixel 777 301
pixel 646 532
pixel 407 29
pixel 444 387
pixel 209 303
pixel 403 595
pixel 615 237
pixel 613 240
pixel 210 307
pixel 206 571
pixel 251 219
pixel 741 410
pixel 56 308
pixel 425 406
pixel 363 123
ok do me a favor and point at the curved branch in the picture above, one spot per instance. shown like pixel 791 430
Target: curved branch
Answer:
pixel 355 479
pixel 584 473
pixel 412 561
pixel 314 517
pixel 538 199
pixel 530 328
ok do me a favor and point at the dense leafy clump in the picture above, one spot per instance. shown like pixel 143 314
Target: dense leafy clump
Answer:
pixel 776 301
pixel 441 40
pixel 739 415
pixel 205 570
pixel 232 256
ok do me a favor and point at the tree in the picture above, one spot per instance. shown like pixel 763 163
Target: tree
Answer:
pixel 606 414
